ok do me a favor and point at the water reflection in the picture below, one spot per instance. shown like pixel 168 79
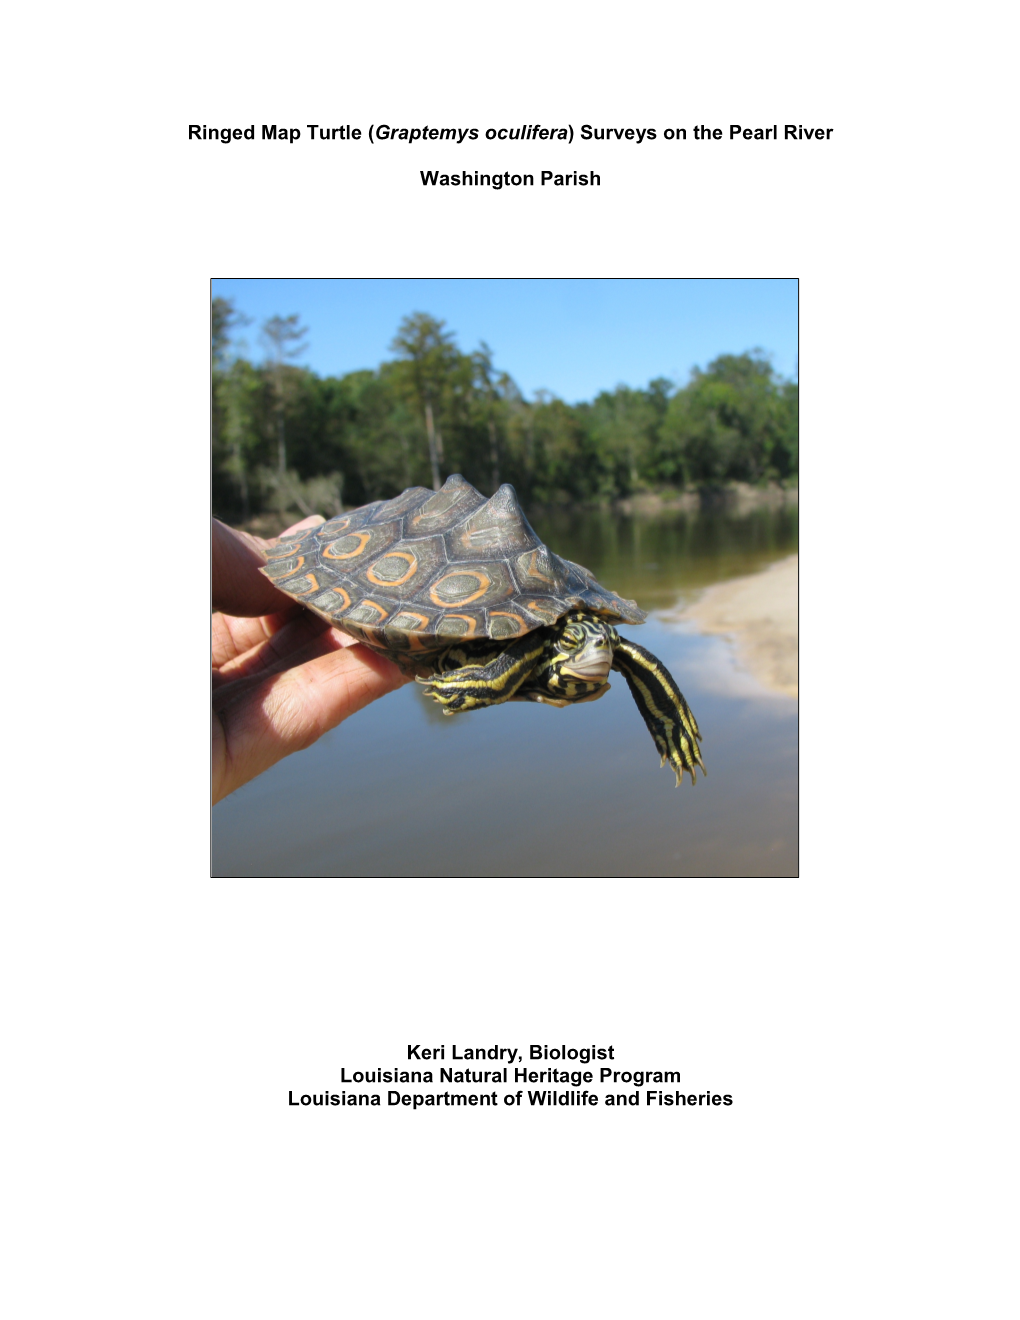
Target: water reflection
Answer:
pixel 525 789
pixel 657 560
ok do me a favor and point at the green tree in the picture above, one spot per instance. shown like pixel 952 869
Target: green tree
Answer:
pixel 282 336
pixel 233 386
pixel 287 439
pixel 784 452
pixel 497 394
pixel 565 463
pixel 730 422
pixel 623 426
pixel 221 316
pixel 241 390
pixel 431 356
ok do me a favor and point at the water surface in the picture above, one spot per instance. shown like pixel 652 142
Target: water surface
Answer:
pixel 524 789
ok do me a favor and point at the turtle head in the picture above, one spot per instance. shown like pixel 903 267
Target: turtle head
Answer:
pixel 582 648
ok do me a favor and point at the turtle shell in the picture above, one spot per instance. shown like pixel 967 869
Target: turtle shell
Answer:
pixel 413 575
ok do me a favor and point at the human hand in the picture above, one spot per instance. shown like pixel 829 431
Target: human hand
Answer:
pixel 282 677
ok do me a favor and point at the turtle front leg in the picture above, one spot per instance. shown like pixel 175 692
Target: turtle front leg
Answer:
pixel 662 705
pixel 472 686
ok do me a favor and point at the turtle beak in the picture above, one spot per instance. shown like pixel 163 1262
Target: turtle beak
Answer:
pixel 591 665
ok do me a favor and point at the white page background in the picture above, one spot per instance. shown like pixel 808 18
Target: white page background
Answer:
pixel 857 1015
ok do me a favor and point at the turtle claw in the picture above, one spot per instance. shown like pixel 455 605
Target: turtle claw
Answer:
pixel 685 754
pixel 429 690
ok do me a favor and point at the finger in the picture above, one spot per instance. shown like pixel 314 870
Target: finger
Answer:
pixel 238 588
pixel 258 721
pixel 232 637
pixel 300 638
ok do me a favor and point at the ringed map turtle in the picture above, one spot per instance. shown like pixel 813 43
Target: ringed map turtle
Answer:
pixel 459 591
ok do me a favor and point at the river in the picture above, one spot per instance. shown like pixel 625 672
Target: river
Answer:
pixel 531 790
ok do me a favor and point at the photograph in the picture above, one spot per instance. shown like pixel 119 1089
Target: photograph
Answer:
pixel 448 511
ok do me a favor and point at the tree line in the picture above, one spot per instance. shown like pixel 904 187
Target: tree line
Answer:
pixel 288 440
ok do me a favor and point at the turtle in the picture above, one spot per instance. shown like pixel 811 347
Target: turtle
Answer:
pixel 462 594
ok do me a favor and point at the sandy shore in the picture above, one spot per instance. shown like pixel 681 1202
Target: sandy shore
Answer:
pixel 760 614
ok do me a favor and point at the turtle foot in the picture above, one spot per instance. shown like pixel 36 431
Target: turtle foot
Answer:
pixel 667 715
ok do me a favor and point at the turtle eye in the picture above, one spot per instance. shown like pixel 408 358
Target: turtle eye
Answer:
pixel 572 635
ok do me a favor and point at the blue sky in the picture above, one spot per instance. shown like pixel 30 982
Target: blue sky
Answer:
pixel 571 337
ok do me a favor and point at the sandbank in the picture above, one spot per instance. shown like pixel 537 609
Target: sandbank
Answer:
pixel 759 613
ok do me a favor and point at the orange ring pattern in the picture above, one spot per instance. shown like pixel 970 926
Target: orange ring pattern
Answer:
pixel 383 614
pixel 508 614
pixel 393 582
pixel 460 572
pixel 468 618
pixel 410 614
pixel 532 571
pixel 314 586
pixel 350 554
